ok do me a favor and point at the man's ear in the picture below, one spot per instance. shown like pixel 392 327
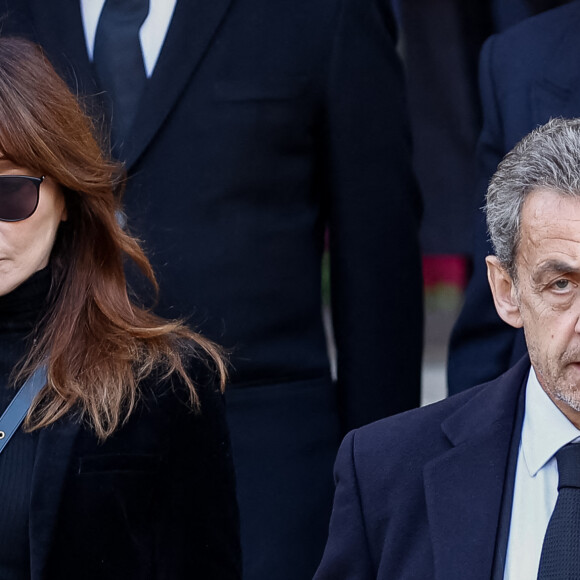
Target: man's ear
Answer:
pixel 504 292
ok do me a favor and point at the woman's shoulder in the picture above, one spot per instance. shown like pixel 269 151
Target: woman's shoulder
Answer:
pixel 197 391
pixel 166 419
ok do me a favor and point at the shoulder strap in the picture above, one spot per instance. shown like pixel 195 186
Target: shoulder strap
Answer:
pixel 12 418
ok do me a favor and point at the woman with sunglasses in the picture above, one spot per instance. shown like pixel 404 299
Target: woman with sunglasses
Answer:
pixel 121 468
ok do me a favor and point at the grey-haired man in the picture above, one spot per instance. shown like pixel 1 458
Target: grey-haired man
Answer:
pixel 466 488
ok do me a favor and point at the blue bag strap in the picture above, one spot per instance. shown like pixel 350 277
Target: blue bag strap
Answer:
pixel 12 418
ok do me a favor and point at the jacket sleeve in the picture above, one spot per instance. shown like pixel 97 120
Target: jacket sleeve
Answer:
pixel 482 345
pixel 375 209
pixel 347 555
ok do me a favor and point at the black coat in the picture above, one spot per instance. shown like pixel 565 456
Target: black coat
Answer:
pixel 528 74
pixel 156 500
pixel 264 122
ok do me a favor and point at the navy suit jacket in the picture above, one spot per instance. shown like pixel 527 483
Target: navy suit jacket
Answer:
pixel 419 495
pixel 528 74
pixel 264 123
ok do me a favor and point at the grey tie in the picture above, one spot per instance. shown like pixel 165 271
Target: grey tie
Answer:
pixel 118 61
pixel 560 558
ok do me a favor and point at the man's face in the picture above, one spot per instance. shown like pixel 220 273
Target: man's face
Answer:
pixel 547 293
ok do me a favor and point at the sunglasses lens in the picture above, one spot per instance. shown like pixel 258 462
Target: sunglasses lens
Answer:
pixel 18 197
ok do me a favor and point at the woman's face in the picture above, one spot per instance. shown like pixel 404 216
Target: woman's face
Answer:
pixel 25 246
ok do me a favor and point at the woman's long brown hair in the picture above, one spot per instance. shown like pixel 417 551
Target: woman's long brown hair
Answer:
pixel 97 344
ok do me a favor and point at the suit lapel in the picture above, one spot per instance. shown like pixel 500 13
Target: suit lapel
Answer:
pixel 557 92
pixel 58 28
pixel 192 28
pixel 53 456
pixel 464 486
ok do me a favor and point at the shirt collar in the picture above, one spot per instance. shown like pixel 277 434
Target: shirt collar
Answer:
pixel 545 430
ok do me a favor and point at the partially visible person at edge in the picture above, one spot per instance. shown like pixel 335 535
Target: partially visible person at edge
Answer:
pixel 122 468
pixel 527 75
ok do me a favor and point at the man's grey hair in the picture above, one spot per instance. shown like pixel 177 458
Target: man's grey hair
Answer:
pixel 547 158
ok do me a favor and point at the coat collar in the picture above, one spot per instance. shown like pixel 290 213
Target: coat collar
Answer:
pixel 464 486
pixel 59 28
pixel 53 455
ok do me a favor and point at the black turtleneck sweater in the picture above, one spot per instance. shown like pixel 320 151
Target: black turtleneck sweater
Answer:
pixel 20 310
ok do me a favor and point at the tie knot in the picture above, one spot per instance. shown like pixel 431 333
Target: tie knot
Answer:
pixel 136 7
pixel 569 466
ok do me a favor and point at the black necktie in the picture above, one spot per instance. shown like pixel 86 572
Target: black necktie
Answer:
pixel 119 61
pixel 560 559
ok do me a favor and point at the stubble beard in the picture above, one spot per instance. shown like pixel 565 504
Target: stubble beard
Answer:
pixel 552 378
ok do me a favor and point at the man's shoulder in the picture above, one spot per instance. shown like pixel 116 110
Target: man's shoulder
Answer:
pixel 421 426
pixel 387 458
pixel 426 432
pixel 540 34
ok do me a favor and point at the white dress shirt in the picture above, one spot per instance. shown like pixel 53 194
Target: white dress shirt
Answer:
pixel 545 430
pixel 152 34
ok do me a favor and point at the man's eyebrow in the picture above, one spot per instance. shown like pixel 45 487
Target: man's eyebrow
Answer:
pixel 555 267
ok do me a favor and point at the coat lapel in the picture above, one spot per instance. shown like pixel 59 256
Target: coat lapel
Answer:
pixel 58 28
pixel 53 456
pixel 464 486
pixel 192 29
pixel 557 92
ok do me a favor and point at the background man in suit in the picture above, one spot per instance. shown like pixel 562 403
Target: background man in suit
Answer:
pixel 441 44
pixel 465 488
pixel 528 74
pixel 260 124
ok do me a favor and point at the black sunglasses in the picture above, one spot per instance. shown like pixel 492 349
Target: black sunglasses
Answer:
pixel 18 196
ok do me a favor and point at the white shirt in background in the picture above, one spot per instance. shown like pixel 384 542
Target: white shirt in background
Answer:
pixel 152 34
